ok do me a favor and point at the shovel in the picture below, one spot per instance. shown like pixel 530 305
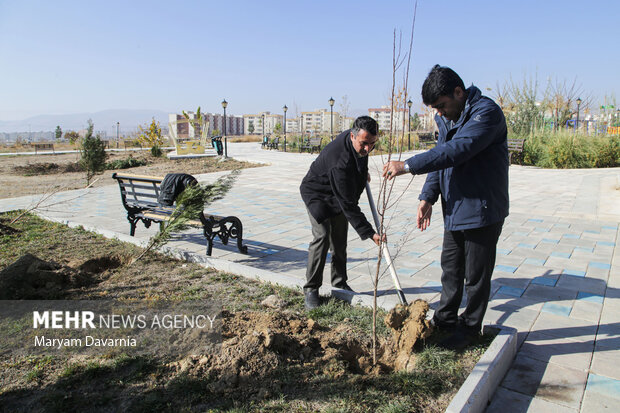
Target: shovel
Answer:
pixel 384 249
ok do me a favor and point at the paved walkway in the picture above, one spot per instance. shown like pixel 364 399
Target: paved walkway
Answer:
pixel 557 278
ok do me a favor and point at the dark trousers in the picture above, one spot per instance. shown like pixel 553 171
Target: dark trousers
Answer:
pixel 331 234
pixel 467 258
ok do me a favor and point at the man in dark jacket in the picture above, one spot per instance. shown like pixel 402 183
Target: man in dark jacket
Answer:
pixel 331 191
pixel 469 169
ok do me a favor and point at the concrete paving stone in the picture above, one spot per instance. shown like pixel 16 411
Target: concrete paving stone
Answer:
pixel 604 386
pixel 521 319
pixel 511 291
pixel 563 351
pixel 605 361
pixel 516 282
pixel 554 308
pixel 581 283
pixel 599 265
pixel 545 293
pixel 583 310
pixel 543 280
pixel 597 403
pixel 565 327
pixel 508 260
pixel 547 381
pixel 521 403
pixel 534 261
pixel 501 301
pixel 590 297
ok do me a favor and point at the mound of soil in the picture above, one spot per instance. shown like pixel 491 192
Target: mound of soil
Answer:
pixel 30 278
pixel 257 344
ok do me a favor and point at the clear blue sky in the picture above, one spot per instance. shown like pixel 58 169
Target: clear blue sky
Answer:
pixel 60 57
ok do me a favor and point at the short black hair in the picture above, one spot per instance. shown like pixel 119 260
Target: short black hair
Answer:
pixel 441 81
pixel 367 123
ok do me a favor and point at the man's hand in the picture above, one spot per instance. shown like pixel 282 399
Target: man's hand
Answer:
pixel 368 177
pixel 425 209
pixel 393 169
pixel 377 240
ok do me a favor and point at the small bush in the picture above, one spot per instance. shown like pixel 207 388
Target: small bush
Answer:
pixel 125 163
pixel 569 150
pixel 156 151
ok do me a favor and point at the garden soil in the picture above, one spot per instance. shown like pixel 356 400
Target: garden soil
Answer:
pixel 43 174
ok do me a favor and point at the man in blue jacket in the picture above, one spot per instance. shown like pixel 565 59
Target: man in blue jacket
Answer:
pixel 331 191
pixel 469 170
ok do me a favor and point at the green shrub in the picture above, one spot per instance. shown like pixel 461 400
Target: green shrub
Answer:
pixel 569 150
pixel 125 163
pixel 93 153
pixel 156 151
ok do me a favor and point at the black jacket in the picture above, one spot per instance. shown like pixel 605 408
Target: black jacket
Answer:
pixel 172 186
pixel 335 182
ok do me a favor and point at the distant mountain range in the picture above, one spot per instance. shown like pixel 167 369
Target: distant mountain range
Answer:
pixel 103 121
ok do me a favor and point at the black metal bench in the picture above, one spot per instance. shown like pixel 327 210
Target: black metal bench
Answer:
pixel 515 146
pixel 139 194
pixel 311 144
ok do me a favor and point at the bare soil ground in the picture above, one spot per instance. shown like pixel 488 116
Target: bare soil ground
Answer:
pixel 274 356
pixel 37 174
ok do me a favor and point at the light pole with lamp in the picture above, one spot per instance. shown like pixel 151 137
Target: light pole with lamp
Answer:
pixel 409 103
pixel 578 105
pixel 264 129
pixel 284 109
pixel 331 115
pixel 118 139
pixel 224 105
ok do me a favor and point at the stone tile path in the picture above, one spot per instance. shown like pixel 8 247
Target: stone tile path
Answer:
pixel 557 278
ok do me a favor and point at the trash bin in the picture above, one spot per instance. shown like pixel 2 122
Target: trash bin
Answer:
pixel 216 141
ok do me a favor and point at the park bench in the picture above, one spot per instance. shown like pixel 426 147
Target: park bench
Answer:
pixel 515 146
pixel 43 146
pixel 139 194
pixel 311 144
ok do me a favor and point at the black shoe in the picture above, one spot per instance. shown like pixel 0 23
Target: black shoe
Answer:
pixel 344 286
pixel 460 338
pixel 312 299
pixel 441 326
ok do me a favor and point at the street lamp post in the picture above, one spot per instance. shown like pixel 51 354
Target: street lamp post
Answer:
pixel 578 105
pixel 264 129
pixel 284 109
pixel 409 103
pixel 118 139
pixel 224 104
pixel 331 115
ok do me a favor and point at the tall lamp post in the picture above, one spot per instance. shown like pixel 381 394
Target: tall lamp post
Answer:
pixel 578 105
pixel 409 103
pixel 264 129
pixel 118 139
pixel 224 104
pixel 331 115
pixel 284 109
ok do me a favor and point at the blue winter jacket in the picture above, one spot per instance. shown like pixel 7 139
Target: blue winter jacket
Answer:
pixel 469 166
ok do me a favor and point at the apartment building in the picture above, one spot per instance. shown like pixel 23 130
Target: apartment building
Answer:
pixel 181 127
pixel 383 116
pixel 293 125
pixel 253 124
pixel 320 121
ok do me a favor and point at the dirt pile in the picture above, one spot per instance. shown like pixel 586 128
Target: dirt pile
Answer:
pixel 31 278
pixel 408 325
pixel 258 345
